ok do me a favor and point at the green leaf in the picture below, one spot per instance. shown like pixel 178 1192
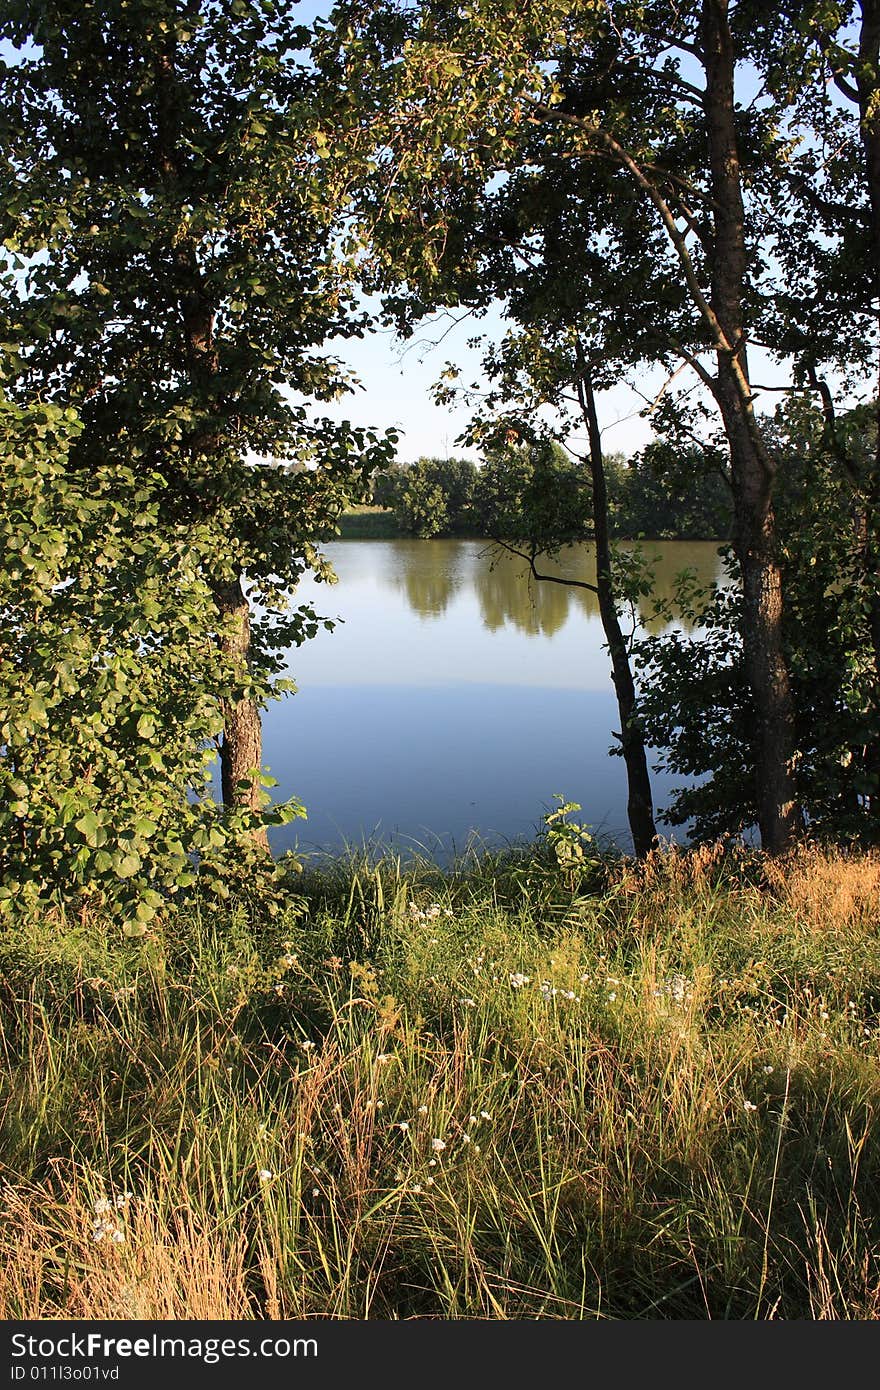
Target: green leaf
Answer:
pixel 91 829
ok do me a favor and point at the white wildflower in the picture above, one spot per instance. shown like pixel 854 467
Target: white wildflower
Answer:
pixel 438 1145
pixel 265 1175
pixel 517 980
pixel 107 1230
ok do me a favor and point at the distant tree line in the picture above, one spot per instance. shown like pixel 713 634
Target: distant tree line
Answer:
pixel 661 493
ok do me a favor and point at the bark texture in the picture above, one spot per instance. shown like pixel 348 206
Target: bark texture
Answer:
pixel 752 467
pixel 241 748
pixel 868 88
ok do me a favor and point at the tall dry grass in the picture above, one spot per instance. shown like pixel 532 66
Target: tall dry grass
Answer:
pixel 479 1094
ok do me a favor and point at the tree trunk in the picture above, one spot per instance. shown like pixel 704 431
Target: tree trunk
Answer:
pixel 868 86
pixel 752 468
pixel 241 749
pixel 639 805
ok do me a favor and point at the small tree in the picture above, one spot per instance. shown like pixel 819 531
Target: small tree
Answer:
pixel 534 500
pixel 431 497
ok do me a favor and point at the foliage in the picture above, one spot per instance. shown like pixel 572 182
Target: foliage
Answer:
pixel 430 497
pixel 693 698
pixel 109 695
pixel 669 492
pixel 568 841
pixel 664 492
pixel 534 494
pixel 694 686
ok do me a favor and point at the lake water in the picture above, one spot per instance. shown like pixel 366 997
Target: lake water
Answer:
pixel 454 699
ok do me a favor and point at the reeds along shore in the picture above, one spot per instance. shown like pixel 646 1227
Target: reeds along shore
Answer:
pixel 490 1093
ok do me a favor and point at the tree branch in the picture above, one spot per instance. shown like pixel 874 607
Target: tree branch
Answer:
pixel 674 233
pixel 529 557
pixel 820 385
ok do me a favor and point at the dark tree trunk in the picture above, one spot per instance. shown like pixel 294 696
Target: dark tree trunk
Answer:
pixel 868 88
pixel 639 806
pixel 241 749
pixel 752 468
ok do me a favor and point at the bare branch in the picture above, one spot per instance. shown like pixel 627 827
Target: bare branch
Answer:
pixel 673 231
pixel 665 387
pixel 674 41
pixel 845 87
pixel 530 557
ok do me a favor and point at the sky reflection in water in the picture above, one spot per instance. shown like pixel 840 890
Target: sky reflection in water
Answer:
pixel 454 699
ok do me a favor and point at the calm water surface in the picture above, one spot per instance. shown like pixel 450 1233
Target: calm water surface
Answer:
pixel 453 699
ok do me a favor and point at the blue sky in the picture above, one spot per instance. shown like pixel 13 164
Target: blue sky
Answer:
pixel 396 379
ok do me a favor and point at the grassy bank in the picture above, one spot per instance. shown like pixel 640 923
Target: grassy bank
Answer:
pixel 479 1094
